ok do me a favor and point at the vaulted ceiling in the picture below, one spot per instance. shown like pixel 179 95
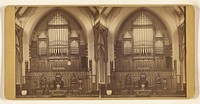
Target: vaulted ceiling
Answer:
pixel 95 13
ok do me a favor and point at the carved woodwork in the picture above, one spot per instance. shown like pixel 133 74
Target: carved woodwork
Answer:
pixel 137 80
pixel 100 52
pixel 58 83
pixel 100 41
pixel 151 47
pixel 18 57
pixel 52 54
pixel 64 32
pixel 33 83
pixel 182 52
pixel 142 82
pixel 158 81
pixel 19 38
pixel 127 81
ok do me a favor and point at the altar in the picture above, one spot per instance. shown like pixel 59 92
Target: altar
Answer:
pixel 143 93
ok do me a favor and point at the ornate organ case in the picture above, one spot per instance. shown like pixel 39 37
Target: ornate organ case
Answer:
pixel 143 46
pixel 57 45
pixel 49 67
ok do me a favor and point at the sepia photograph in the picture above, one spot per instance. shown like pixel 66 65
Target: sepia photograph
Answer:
pixel 100 51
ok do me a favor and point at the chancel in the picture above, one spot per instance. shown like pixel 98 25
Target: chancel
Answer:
pixel 100 51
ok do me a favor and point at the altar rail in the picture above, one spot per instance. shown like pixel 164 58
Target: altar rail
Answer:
pixel 33 78
pixel 118 78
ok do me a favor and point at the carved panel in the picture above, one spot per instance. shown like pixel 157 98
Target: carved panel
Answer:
pixel 168 62
pixel 84 62
pixel 119 49
pixel 120 77
pixel 33 49
pixel 168 50
pixel 100 41
pixel 34 78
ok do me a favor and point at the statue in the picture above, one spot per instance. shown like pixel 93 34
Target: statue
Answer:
pixel 127 81
pixel 73 81
pixel 58 86
pixel 158 81
pixel 164 82
pixel 43 83
pixel 58 83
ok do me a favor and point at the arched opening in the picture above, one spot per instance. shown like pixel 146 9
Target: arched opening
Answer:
pixel 143 46
pixel 57 37
pixel 58 49
pixel 143 37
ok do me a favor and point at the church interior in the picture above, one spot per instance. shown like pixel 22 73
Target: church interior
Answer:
pixel 100 51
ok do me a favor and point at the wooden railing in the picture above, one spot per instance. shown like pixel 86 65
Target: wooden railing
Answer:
pixel 118 78
pixel 33 79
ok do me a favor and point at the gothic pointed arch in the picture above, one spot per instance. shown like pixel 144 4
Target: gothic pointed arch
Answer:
pixel 145 42
pixel 143 46
pixel 57 39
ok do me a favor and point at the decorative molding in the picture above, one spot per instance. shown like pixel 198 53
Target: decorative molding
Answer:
pixel 22 19
pixel 177 14
pixel 113 13
pixel 96 14
pixel 88 13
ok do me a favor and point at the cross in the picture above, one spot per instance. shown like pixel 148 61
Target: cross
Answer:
pixel 58 86
pixel 143 85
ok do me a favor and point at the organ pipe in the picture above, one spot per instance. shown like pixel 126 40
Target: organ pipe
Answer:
pixel 58 36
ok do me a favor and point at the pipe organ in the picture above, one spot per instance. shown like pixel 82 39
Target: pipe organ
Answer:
pixel 143 41
pixel 143 47
pixel 57 44
pixel 58 41
pixel 58 33
pixel 54 48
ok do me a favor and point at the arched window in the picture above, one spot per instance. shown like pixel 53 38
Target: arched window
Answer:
pixel 42 48
pixel 159 47
pixel 127 48
pixel 74 47
pixel 127 43
pixel 42 41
